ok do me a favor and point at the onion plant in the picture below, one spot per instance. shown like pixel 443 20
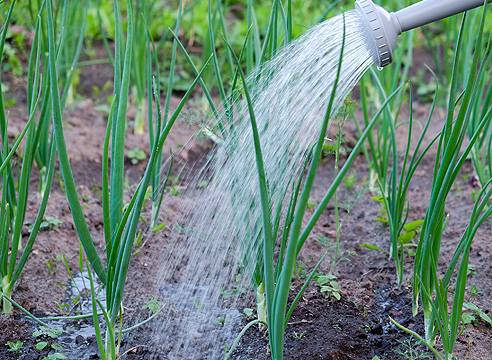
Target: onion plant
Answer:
pixel 277 272
pixel 481 152
pixel 441 43
pixel 139 65
pixel 448 322
pixel 440 38
pixel 393 177
pixel 427 287
pixel 120 220
pixel 147 87
pixel 257 49
pixel 70 19
pixel 15 178
pixel 481 156
pixel 153 87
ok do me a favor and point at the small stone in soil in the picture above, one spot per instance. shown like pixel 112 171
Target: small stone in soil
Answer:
pixel 79 340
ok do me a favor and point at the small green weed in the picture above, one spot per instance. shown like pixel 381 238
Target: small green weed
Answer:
pixel 328 285
pixel 55 356
pixel 136 155
pixel 473 314
pixel 153 305
pixel 299 335
pixel 50 223
pixel 350 181
pixel 15 346
pixel 49 332
pixel 41 345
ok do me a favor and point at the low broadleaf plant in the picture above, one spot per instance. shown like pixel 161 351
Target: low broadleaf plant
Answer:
pixel 328 286
pixel 15 346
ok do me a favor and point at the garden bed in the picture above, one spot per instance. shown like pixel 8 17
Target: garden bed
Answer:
pixel 354 327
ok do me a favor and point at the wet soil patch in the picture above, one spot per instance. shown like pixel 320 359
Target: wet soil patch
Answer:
pixel 13 329
pixel 324 328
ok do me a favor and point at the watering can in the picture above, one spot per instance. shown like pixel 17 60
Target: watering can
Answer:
pixel 382 27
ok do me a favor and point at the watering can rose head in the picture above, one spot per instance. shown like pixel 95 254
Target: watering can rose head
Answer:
pixel 382 27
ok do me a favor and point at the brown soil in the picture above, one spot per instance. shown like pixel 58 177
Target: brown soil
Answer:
pixel 356 327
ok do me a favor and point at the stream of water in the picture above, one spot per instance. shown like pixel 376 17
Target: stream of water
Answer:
pixel 218 236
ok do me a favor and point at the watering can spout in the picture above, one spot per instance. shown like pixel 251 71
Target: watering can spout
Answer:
pixel 382 27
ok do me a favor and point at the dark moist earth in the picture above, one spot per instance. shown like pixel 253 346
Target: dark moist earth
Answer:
pixel 354 327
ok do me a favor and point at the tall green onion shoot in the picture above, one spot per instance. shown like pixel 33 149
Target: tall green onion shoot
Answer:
pixel 15 178
pixel 120 221
pixel 394 177
pixel 449 161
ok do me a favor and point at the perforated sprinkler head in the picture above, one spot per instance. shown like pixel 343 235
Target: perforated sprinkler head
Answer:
pixel 382 27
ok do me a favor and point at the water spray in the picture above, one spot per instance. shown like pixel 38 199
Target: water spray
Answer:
pixel 383 27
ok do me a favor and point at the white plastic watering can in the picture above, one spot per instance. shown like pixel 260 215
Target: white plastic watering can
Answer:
pixel 383 27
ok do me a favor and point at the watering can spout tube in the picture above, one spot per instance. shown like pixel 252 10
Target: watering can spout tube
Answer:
pixel 382 27
pixel 427 11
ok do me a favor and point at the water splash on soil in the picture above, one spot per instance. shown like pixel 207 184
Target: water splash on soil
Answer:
pixel 76 339
pixel 219 234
